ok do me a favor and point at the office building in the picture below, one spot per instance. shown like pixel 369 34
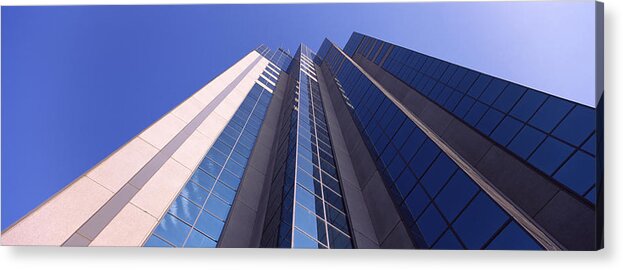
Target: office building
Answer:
pixel 368 146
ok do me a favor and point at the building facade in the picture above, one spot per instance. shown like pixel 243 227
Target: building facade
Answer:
pixel 369 146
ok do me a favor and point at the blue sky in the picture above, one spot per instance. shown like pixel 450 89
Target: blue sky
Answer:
pixel 80 81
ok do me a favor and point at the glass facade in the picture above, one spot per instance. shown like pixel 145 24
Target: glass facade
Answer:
pixel 553 135
pixel 305 208
pixel 440 204
pixel 279 57
pixel 197 216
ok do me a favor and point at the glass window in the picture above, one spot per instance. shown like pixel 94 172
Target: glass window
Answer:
pixel 203 179
pixel 438 174
pixel 210 225
pixel 455 195
pixel 337 218
pixel 424 157
pixel 217 207
pixel 194 193
pixel 308 222
pixel 416 201
pixel 448 241
pixel 173 230
pixel 185 210
pixel 226 193
pixel 550 114
pixel 589 145
pixel 550 155
pixel 513 237
pixel 405 182
pixel 217 156
pixel 577 126
pixel 413 143
pixel 506 130
pixel 528 104
pixel 475 113
pixel 489 121
pixel 303 241
pixel 311 202
pixel 493 91
pixel 578 173
pixel 480 220
pixel 509 97
pixel 467 81
pixel 155 241
pixel 479 86
pixel 229 179
pixel 211 167
pixel 431 224
pixel 526 141
pixel 199 240
pixel 338 239
pixel 464 105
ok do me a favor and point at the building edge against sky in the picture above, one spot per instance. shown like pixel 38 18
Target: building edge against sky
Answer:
pixel 372 146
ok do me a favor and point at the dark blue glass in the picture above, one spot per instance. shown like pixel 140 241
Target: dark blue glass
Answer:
pixel 550 113
pixel 528 104
pixel 455 195
pixel 550 155
pixel 489 121
pixel 493 91
pixel 413 143
pixel 506 130
pixel 475 113
pixel 338 239
pixel 480 220
pixel 513 237
pixel 464 105
pixel 405 182
pixel 479 86
pixel 577 126
pixel 578 173
pixel 424 157
pixel 592 195
pixel 526 141
pixel 448 241
pixel 509 97
pixel 438 174
pixel 431 224
pixel 467 81
pixel 416 201
pixel 589 145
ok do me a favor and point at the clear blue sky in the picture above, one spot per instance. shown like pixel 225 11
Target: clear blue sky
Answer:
pixel 78 82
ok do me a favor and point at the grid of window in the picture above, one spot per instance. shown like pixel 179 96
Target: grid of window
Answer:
pixel 306 209
pixel 441 205
pixel 279 57
pixel 198 214
pixel 554 135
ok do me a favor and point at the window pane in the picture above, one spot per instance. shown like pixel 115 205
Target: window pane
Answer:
pixel 479 221
pixel 513 237
pixel 550 155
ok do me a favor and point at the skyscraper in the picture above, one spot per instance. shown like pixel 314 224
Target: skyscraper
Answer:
pixel 369 146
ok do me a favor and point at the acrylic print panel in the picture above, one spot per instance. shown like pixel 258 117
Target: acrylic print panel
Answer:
pixel 435 126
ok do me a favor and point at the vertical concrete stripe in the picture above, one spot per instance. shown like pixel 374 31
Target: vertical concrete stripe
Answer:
pixel 546 240
pixel 110 209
